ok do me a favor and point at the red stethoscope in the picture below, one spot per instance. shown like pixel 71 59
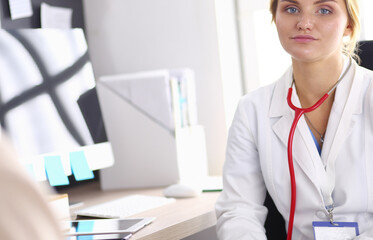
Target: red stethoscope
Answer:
pixel 298 114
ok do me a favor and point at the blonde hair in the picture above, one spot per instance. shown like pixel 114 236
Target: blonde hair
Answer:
pixel 350 48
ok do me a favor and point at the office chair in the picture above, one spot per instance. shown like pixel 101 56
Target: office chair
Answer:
pixel 275 223
pixel 366 54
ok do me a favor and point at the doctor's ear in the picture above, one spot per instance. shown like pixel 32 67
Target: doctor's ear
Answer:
pixel 348 31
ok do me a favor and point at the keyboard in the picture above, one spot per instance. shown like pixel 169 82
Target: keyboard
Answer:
pixel 124 207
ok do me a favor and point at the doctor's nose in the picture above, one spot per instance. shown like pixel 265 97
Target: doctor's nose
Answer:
pixel 305 23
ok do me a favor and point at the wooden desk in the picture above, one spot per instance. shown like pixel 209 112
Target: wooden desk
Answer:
pixel 176 220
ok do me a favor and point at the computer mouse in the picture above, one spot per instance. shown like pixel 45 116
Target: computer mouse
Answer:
pixel 182 191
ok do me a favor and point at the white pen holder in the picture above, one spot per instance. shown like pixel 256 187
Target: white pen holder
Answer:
pixel 157 160
pixel 191 154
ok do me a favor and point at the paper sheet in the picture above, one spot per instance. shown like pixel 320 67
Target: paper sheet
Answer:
pixel 20 9
pixel 149 92
pixel 55 17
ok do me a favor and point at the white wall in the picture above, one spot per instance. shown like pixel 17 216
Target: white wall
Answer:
pixel 366 7
pixel 229 53
pixel 128 36
pixel 264 60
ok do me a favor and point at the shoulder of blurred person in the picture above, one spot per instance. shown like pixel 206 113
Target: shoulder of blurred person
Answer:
pixel 25 213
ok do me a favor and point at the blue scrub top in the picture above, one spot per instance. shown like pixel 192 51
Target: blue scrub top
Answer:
pixel 316 142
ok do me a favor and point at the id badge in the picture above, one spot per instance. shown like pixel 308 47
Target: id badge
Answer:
pixel 339 231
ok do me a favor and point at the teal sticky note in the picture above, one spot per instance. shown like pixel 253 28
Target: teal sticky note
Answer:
pixel 85 237
pixel 79 166
pixel 84 227
pixel 55 172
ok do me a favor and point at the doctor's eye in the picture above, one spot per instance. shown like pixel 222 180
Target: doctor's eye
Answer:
pixel 291 10
pixel 324 11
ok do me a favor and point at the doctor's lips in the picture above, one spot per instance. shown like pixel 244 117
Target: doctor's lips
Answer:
pixel 303 38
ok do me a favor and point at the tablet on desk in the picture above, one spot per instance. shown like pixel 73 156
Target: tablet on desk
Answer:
pixel 117 236
pixel 107 226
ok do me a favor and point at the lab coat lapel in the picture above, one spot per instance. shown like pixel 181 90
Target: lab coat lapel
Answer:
pixel 304 150
pixel 348 102
pixel 280 109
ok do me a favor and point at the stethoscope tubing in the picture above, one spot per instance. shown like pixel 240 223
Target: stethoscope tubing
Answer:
pixel 298 114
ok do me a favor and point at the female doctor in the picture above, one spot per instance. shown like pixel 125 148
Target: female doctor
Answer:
pixel 332 147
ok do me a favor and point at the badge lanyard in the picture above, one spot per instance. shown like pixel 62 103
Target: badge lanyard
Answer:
pixel 328 188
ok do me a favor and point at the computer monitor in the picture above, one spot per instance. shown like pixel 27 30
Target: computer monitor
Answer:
pixel 44 73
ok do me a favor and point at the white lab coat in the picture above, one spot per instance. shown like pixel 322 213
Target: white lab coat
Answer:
pixel 256 160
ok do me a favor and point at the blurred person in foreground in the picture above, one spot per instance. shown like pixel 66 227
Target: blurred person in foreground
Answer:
pixel 24 211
